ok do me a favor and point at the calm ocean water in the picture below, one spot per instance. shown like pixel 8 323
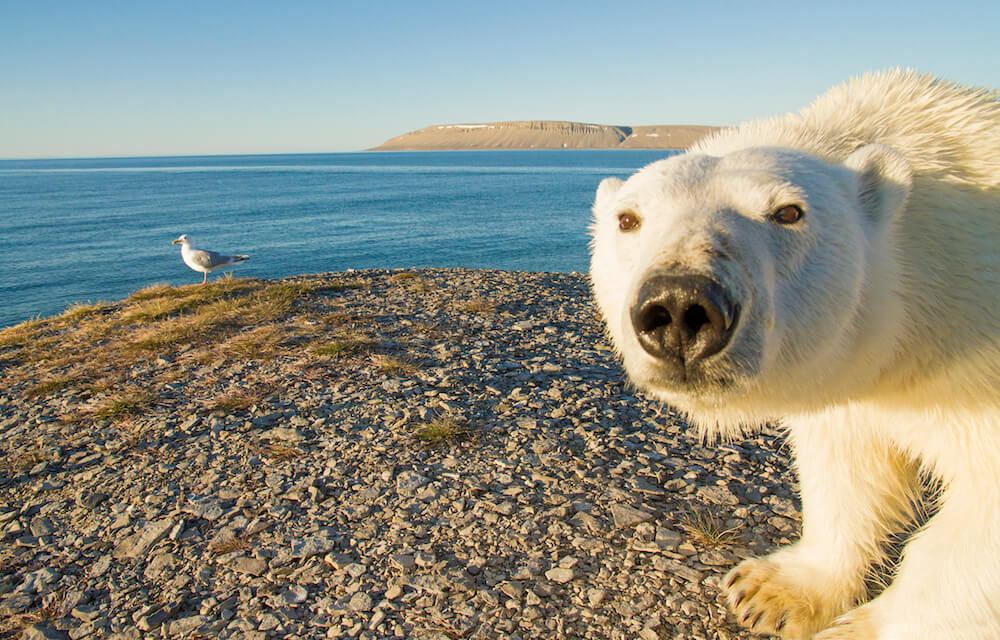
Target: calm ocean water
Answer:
pixel 97 229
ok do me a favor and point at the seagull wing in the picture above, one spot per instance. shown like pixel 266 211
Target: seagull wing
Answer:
pixel 209 259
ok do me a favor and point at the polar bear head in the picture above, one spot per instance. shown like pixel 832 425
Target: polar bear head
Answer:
pixel 742 286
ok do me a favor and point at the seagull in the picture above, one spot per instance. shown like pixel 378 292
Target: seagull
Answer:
pixel 204 261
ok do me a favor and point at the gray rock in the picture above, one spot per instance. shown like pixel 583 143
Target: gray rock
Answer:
pixel 249 566
pixel 311 546
pixel 626 516
pixel 86 612
pixel 40 631
pixel 408 482
pixel 560 574
pixel 361 601
pixel 139 543
pixel 17 603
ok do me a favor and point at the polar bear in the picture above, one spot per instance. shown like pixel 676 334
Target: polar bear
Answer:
pixel 838 271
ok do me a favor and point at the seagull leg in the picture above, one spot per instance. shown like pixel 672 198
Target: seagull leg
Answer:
pixel 205 279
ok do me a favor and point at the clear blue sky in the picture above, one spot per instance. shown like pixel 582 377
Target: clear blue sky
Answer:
pixel 140 77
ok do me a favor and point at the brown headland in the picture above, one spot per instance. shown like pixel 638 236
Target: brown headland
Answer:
pixel 546 134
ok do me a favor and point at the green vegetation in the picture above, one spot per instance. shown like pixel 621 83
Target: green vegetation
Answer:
pixel 125 404
pixel 706 529
pixel 347 344
pixel 442 430
pixel 394 365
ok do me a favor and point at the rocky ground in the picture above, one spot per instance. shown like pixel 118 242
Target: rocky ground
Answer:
pixel 377 454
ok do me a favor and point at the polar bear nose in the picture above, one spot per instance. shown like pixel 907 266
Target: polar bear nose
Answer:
pixel 683 318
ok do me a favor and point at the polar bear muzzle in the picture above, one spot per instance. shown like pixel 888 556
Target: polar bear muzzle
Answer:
pixel 682 319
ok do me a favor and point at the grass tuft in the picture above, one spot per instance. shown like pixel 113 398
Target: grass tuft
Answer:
pixel 705 528
pixel 253 344
pixel 241 399
pixel 394 365
pixel 50 385
pixel 79 310
pixel 22 334
pixel 442 430
pixel 125 404
pixel 478 305
pixel 347 344
pixel 278 451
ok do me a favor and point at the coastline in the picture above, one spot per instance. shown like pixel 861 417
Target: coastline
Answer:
pixel 430 453
pixel 546 134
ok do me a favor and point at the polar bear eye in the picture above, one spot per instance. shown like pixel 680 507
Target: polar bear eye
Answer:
pixel 628 221
pixel 787 214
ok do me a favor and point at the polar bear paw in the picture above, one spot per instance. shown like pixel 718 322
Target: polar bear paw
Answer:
pixel 856 625
pixel 765 598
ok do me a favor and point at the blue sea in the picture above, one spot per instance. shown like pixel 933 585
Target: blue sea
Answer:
pixel 88 230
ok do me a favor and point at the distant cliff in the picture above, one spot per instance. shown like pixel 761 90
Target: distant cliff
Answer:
pixel 546 135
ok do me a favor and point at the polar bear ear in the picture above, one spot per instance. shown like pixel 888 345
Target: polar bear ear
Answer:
pixel 884 179
pixel 606 191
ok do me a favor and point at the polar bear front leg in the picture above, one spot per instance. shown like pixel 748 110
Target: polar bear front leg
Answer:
pixel 948 584
pixel 856 489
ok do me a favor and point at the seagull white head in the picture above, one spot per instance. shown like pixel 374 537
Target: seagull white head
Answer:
pixel 182 239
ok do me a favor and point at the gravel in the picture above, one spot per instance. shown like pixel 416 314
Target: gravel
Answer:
pixel 561 504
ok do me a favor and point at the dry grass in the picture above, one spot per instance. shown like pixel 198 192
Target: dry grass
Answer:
pixel 347 344
pixel 403 276
pixel 279 451
pixel 241 399
pixel 394 365
pixel 79 310
pixel 239 542
pixel 442 430
pixel 478 305
pixel 49 385
pixel 705 528
pixel 101 348
pixel 26 459
pixel 256 343
pixel 125 404
pixel 228 545
pixel 411 281
pixel 12 626
pixel 22 334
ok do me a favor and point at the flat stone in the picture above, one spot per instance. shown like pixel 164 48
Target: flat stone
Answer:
pixel 360 601
pixel 249 566
pixel 184 626
pixel 210 510
pixel 595 597
pixel 408 482
pixel 139 543
pixel 560 574
pixel 295 594
pixel 308 547
pixel 718 495
pixel 393 592
pixel 86 612
pixel 153 619
pixel 673 567
pixel 17 603
pixel 39 631
pixel 626 516
pixel 90 499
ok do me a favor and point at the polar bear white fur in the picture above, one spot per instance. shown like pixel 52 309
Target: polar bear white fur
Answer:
pixel 837 270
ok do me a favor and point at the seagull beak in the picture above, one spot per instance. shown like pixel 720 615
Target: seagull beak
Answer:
pixel 176 242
